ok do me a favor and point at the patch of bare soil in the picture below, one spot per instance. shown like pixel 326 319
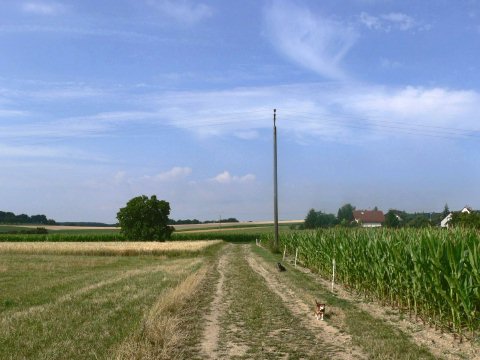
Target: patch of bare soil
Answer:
pixel 324 332
pixel 441 345
pixel 217 307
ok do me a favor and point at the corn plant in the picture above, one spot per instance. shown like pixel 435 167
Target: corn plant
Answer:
pixel 434 274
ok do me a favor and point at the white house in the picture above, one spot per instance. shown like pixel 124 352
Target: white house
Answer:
pixel 444 222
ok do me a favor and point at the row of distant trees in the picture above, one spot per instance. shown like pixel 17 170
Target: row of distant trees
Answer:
pixel 466 220
pixel 393 218
pixel 398 218
pixel 196 222
pixel 11 218
pixel 318 219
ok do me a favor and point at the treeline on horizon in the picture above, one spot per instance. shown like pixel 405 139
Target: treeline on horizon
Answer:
pixel 393 218
pixel 196 222
pixel 10 218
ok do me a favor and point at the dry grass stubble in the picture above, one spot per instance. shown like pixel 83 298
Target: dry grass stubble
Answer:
pixel 106 248
pixel 162 333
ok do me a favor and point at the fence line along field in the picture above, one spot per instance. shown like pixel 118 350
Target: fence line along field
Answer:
pixel 107 248
pixel 432 274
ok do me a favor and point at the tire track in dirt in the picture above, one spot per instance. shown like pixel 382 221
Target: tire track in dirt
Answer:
pixel 217 307
pixel 304 312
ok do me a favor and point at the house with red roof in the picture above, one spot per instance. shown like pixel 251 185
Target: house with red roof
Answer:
pixel 369 218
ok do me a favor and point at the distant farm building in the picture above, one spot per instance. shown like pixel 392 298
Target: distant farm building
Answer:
pixel 446 220
pixel 369 218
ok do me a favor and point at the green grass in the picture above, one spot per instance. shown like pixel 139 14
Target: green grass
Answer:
pixel 78 307
pixel 240 228
pixel 237 235
pixel 86 231
pixel 6 228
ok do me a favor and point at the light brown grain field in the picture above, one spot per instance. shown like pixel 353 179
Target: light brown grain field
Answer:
pixel 106 248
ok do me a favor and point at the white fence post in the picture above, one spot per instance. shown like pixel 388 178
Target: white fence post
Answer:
pixel 296 255
pixel 333 273
pixel 284 252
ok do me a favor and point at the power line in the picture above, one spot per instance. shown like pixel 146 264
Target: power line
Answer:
pixel 348 118
pixel 256 119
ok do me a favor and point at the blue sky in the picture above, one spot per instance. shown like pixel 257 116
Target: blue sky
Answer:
pixel 100 101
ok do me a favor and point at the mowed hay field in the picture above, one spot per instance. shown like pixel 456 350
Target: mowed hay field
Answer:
pixel 86 306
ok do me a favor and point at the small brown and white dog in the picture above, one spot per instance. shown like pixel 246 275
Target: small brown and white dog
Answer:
pixel 319 310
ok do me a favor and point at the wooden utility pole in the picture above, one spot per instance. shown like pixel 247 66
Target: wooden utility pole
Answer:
pixel 275 190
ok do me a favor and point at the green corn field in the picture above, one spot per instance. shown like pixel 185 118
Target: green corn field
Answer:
pixel 433 274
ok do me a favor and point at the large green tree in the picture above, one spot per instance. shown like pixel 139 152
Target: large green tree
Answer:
pixel 446 211
pixel 145 219
pixel 316 219
pixel 391 219
pixel 311 220
pixel 345 214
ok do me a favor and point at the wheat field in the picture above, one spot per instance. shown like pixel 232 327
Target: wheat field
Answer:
pixel 107 248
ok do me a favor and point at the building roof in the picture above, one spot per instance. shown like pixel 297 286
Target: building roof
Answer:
pixel 369 216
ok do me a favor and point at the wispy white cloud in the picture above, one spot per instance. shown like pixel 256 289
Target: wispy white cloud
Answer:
pixel 400 20
pixel 333 111
pixel 4 113
pixel 418 105
pixel 119 177
pixel 42 8
pixel 392 21
pixel 82 32
pixel 226 178
pixel 54 93
pixel 86 126
pixel 390 64
pixel 183 11
pixel 40 151
pixel 175 173
pixel 202 199
pixel 313 41
pixel 371 22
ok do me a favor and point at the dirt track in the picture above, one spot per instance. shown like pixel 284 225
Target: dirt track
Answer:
pixel 260 313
